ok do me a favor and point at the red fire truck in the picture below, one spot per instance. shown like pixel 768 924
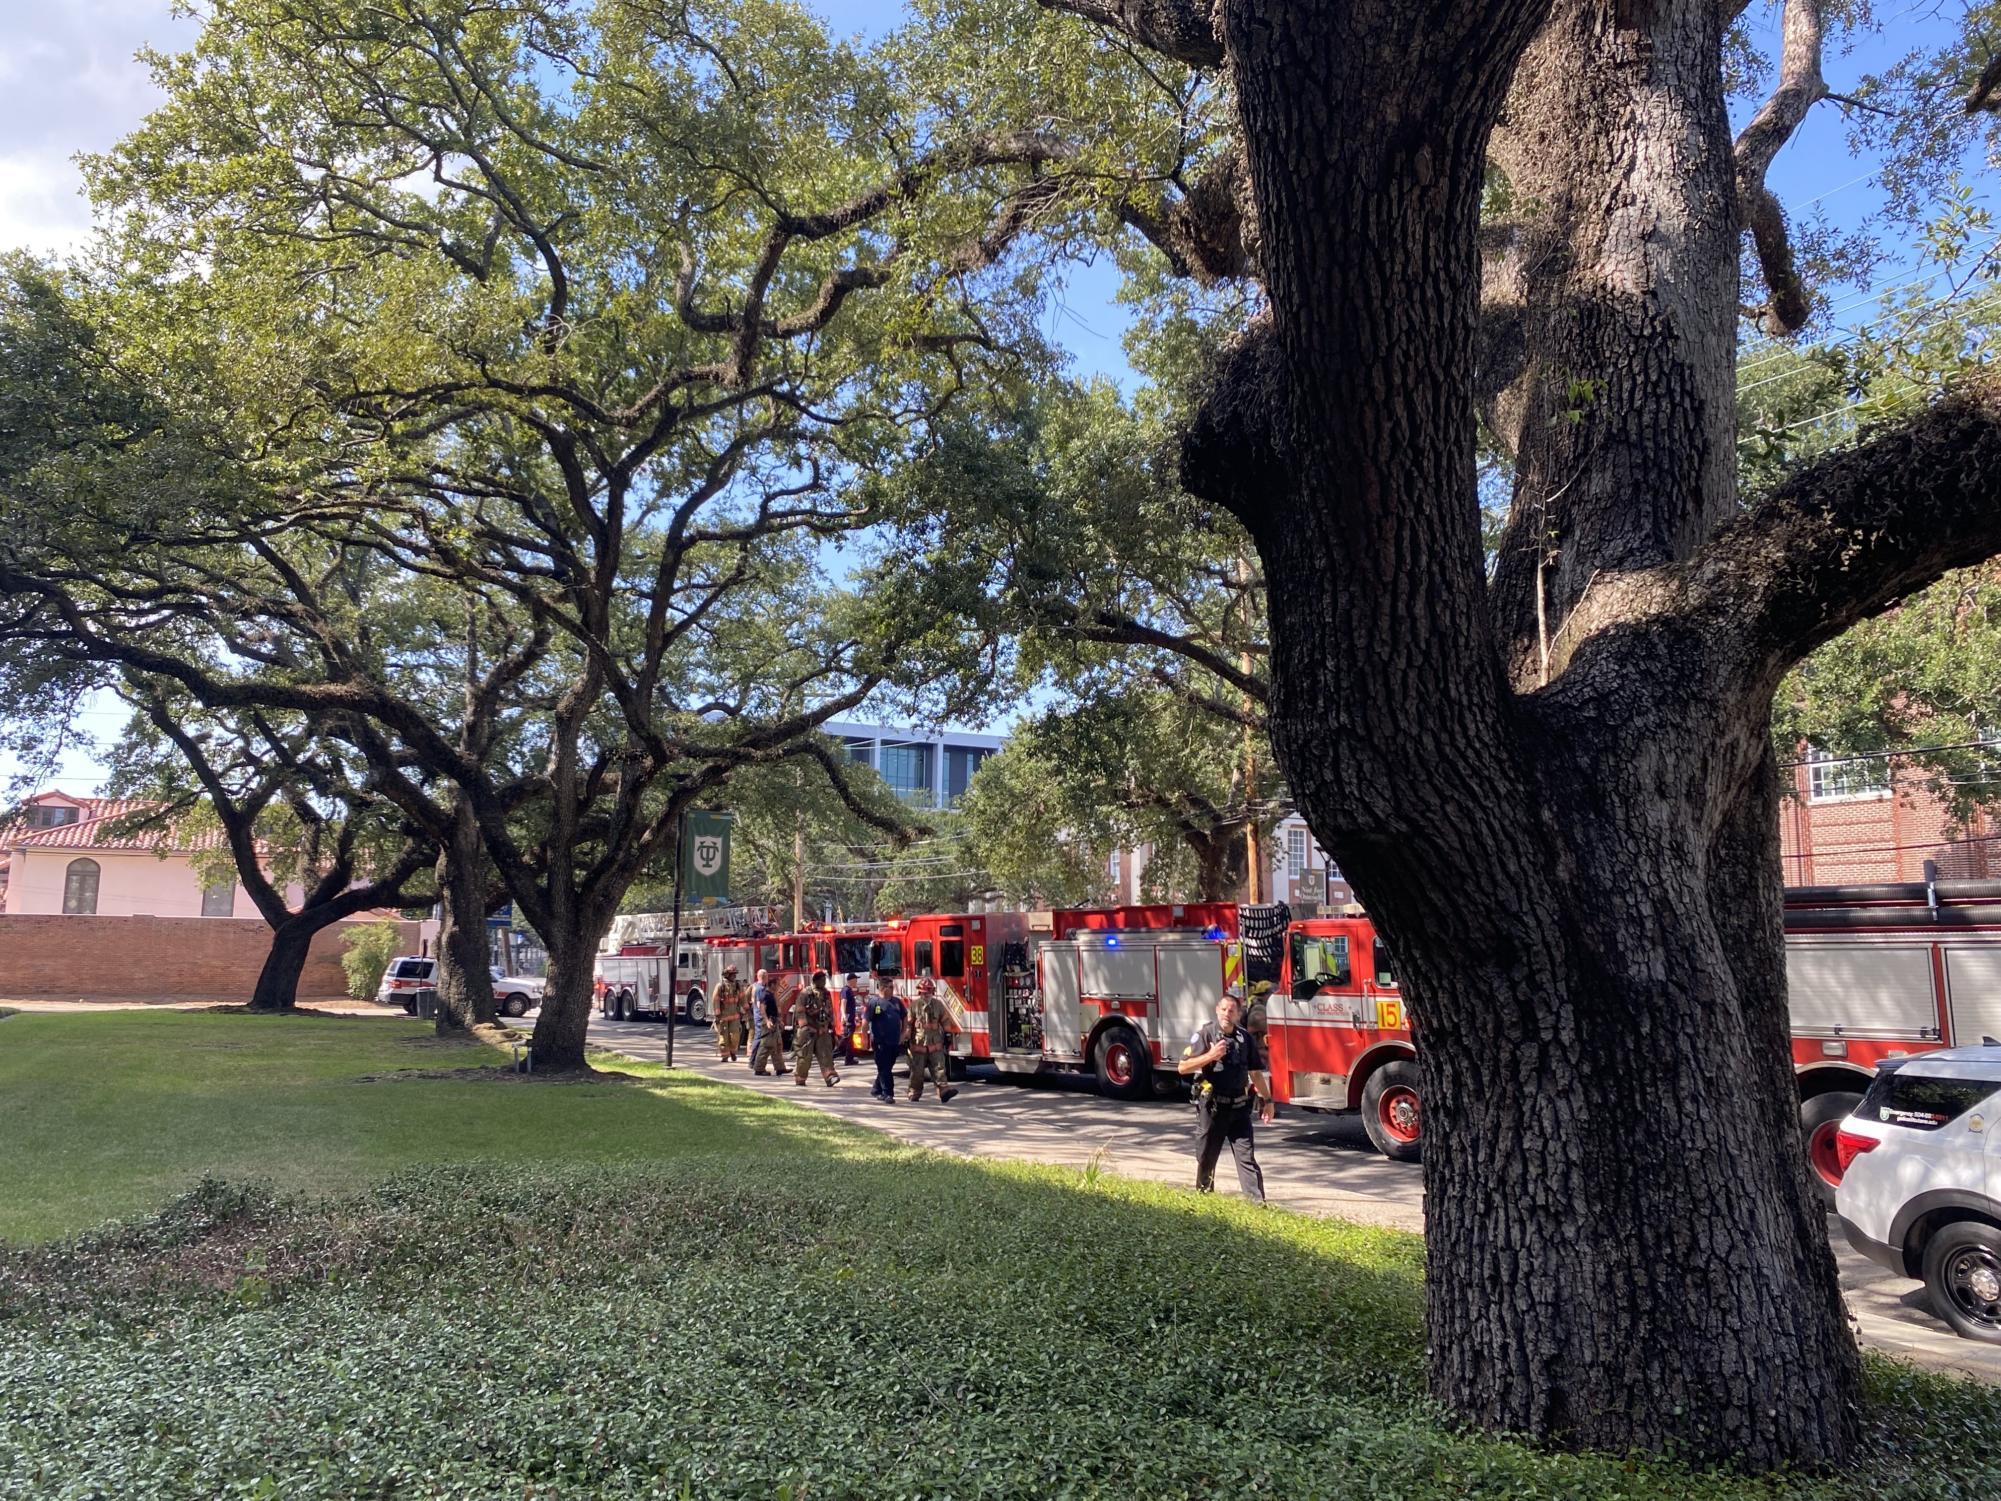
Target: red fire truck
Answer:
pixel 1881 972
pixel 1874 973
pixel 1118 990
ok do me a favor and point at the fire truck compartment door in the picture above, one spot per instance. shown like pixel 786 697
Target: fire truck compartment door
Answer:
pixel 1973 984
pixel 1881 992
pixel 1115 969
pixel 1191 978
pixel 1062 1001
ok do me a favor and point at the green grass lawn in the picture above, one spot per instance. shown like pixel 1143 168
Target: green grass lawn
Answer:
pixel 669 1287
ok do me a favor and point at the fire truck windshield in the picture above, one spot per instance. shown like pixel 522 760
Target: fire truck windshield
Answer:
pixel 851 956
pixel 1317 962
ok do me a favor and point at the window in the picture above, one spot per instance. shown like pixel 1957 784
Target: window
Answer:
pixel 1922 1102
pixel 907 769
pixel 1295 850
pixel 767 956
pixel 885 958
pixel 795 956
pixel 51 816
pixel 859 749
pixel 823 955
pixel 851 956
pixel 1831 778
pixel 961 761
pixel 952 952
pixel 218 899
pixel 80 889
pixel 922 956
pixel 1386 970
pixel 1112 868
pixel 1318 962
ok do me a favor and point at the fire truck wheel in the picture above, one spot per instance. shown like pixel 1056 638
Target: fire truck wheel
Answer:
pixel 1820 1119
pixel 1390 1112
pixel 698 1008
pixel 514 1005
pixel 618 1007
pixel 1124 1070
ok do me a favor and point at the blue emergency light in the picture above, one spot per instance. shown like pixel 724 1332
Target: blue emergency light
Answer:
pixel 1112 941
pixel 1212 933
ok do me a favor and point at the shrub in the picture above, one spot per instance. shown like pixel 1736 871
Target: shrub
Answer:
pixel 369 950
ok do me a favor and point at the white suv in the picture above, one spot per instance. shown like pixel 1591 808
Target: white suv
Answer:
pixel 1921 1180
pixel 513 994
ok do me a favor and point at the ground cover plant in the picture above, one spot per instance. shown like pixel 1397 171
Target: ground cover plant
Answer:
pixel 665 1286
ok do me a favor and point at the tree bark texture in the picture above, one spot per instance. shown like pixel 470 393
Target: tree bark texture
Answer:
pixel 1618 154
pixel 558 1039
pixel 277 987
pixel 465 985
pixel 1556 794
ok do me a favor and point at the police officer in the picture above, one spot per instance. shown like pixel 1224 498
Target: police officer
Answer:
pixel 851 1017
pixel 770 1036
pixel 1233 1074
pixel 730 1006
pixel 813 1031
pixel 928 1029
pixel 886 1020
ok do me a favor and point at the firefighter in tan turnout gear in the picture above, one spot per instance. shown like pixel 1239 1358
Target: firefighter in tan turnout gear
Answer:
pixel 928 1031
pixel 813 1031
pixel 731 1005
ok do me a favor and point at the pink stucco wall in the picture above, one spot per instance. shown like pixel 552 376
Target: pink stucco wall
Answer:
pixel 129 884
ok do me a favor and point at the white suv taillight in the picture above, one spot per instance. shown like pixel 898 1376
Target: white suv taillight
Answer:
pixel 1848 1145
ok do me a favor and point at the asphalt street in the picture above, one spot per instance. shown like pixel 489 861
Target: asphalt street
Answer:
pixel 1316 1164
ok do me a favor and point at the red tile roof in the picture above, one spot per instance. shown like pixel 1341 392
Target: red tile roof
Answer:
pixel 94 829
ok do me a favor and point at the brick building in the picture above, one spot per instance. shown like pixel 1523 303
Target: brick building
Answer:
pixel 1866 820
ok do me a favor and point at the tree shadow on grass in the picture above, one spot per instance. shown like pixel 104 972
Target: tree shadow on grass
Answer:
pixel 767 1297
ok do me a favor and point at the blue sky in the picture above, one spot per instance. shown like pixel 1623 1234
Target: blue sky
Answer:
pixel 69 83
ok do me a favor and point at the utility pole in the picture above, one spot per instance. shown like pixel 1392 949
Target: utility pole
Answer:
pixel 799 870
pixel 1253 846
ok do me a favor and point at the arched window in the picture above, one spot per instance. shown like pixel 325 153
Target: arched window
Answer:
pixel 80 889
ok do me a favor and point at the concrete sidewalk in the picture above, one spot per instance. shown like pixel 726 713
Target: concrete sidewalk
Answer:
pixel 1316 1164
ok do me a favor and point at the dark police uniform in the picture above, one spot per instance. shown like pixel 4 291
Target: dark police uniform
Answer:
pixel 885 1035
pixel 1224 1107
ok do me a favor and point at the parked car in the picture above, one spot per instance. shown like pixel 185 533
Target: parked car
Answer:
pixel 515 994
pixel 1920 1186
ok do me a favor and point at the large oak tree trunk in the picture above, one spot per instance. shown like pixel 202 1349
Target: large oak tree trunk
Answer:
pixel 465 987
pixel 560 1026
pixel 277 987
pixel 1622 1251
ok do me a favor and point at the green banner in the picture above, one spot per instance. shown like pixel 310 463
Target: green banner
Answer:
pixel 705 859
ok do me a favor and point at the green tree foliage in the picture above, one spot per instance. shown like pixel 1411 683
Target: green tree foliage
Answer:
pixel 591 315
pixel 370 947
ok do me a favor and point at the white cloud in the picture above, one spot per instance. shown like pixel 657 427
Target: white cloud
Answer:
pixel 69 83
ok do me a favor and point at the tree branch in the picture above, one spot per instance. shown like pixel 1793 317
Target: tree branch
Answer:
pixel 1844 538
pixel 1799 88
pixel 1184 30
pixel 1986 90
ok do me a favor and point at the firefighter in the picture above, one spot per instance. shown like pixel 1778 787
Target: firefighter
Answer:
pixel 1234 1079
pixel 730 1006
pixel 886 1017
pixel 770 1036
pixel 813 1031
pixel 928 1030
